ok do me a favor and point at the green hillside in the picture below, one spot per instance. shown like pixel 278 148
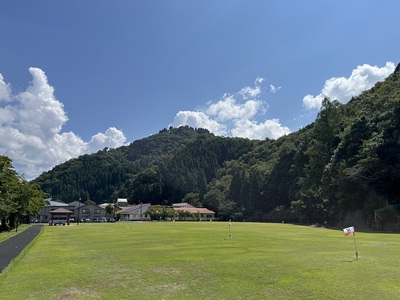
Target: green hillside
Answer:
pixel 347 160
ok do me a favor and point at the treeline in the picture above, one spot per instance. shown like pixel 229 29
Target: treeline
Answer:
pixel 19 199
pixel 347 160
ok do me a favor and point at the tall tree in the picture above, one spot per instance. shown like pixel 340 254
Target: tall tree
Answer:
pixel 312 202
pixel 19 200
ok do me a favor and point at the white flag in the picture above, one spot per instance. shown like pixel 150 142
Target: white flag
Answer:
pixel 349 231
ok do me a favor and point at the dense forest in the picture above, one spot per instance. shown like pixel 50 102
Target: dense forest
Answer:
pixel 347 160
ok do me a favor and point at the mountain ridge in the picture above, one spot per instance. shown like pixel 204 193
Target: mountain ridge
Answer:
pixel 345 160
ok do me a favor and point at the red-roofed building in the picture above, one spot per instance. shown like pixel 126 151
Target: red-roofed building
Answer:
pixel 197 213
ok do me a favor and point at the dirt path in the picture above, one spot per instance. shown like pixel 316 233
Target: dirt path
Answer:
pixel 12 247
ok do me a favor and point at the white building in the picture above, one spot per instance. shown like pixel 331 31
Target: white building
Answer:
pixel 122 202
pixel 135 212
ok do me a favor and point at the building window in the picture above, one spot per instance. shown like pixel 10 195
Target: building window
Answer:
pixel 97 211
pixel 85 211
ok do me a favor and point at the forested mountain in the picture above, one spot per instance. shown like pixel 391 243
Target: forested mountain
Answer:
pixel 102 176
pixel 347 160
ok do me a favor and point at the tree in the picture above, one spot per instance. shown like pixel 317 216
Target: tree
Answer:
pixel 325 137
pixel 31 200
pixel 155 212
pixel 19 200
pixel 110 209
pixel 9 188
pixel 158 212
pixel 146 186
pixel 193 199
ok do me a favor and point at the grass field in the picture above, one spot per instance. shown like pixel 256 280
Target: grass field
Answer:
pixel 7 234
pixel 197 260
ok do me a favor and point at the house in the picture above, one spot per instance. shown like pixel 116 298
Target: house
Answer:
pixel 122 202
pixel 78 211
pixel 90 213
pixel 196 213
pixel 44 215
pixel 135 212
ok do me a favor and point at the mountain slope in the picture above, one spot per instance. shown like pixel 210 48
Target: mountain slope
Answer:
pixel 99 176
pixel 347 160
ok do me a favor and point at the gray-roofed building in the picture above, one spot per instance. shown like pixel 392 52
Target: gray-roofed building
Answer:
pixel 90 213
pixel 76 204
pixel 44 215
pixel 135 212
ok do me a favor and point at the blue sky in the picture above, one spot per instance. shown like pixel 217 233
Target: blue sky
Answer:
pixel 78 76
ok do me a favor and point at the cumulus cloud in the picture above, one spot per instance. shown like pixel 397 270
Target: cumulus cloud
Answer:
pixel 31 124
pixel 4 89
pixel 250 92
pixel 253 130
pixel 113 138
pixel 342 89
pixel 198 119
pixel 229 109
pixel 235 115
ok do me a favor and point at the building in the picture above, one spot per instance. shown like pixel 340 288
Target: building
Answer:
pixel 193 213
pixel 44 215
pixel 90 213
pixel 122 202
pixel 77 211
pixel 135 212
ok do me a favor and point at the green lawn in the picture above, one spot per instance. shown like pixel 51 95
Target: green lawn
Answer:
pixel 197 260
pixel 7 234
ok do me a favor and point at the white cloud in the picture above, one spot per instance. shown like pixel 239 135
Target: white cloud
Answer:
pixel 40 113
pixel 198 119
pixel 228 109
pixel 113 138
pixel 342 89
pixel 259 80
pixel 250 92
pixel 30 129
pixel 235 115
pixel 253 130
pixel 274 89
pixel 4 89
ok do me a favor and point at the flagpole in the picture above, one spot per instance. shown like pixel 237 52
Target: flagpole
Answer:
pixel 230 225
pixel 355 245
pixel 350 231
